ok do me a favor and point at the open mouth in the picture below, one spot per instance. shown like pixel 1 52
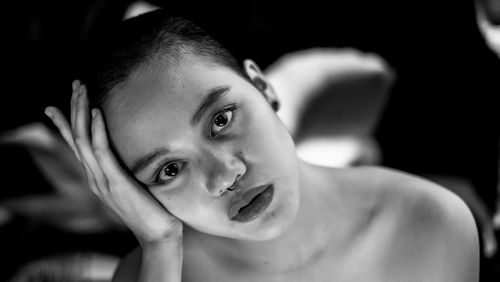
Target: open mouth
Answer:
pixel 251 204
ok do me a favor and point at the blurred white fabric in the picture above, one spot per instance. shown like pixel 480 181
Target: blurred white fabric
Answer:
pixel 331 100
pixel 490 32
pixel 74 267
pixel 137 8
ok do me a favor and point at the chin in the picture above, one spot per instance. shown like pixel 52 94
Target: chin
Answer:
pixel 269 234
pixel 273 223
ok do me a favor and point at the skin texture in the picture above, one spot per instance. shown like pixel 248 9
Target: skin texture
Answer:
pixel 360 224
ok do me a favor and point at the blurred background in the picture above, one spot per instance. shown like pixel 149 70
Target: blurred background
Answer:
pixel 422 79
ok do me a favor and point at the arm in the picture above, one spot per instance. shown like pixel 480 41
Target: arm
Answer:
pixel 159 233
pixel 162 261
pixel 152 262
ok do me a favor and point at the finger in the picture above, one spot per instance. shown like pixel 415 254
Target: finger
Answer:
pixel 74 96
pixel 63 126
pixel 82 137
pixel 81 112
pixel 100 144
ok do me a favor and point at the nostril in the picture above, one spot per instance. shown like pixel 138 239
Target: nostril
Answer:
pixel 235 183
pixel 237 180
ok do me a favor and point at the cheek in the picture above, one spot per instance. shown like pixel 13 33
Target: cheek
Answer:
pixel 272 150
pixel 269 139
pixel 175 201
pixel 186 203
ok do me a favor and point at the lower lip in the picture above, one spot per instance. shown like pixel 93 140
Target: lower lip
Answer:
pixel 256 207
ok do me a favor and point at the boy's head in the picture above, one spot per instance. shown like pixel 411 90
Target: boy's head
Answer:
pixel 199 131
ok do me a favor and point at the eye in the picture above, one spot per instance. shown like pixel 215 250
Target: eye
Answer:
pixel 221 120
pixel 169 171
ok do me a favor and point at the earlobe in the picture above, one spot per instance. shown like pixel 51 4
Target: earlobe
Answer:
pixel 260 82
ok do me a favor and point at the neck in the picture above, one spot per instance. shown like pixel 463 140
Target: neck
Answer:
pixel 303 242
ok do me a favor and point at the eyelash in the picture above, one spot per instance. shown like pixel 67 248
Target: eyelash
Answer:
pixel 232 108
pixel 162 168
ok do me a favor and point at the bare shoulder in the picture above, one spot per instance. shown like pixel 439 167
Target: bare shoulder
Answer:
pixel 429 222
pixel 128 269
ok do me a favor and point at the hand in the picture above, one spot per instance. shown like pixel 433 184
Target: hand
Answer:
pixel 119 191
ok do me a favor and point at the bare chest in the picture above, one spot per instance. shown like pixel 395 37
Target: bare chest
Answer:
pixel 344 266
pixel 379 253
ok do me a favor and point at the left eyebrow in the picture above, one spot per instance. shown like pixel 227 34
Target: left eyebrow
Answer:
pixel 214 95
pixel 147 160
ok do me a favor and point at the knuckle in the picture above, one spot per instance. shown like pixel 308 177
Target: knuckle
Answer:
pixel 101 190
pixel 94 189
pixel 99 152
pixel 106 184
pixel 79 140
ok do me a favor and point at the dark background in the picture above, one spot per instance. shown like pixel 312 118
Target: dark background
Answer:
pixel 441 118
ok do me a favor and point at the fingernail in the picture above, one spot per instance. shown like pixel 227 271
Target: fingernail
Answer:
pixel 94 113
pixel 48 112
pixel 73 85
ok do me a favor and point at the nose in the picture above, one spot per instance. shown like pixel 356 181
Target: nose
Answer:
pixel 224 172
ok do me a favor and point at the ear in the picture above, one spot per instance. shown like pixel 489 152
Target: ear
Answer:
pixel 260 82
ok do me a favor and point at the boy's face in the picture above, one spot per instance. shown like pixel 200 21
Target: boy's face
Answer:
pixel 193 132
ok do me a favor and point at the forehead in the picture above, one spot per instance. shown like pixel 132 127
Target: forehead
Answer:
pixel 156 103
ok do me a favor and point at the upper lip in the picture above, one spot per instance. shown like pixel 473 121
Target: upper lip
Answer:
pixel 243 199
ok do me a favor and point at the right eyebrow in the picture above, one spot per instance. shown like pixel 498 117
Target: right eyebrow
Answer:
pixel 214 95
pixel 147 160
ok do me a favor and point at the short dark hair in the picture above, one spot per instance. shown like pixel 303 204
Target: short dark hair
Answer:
pixel 140 40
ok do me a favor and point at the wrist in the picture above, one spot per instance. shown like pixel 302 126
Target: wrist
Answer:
pixel 174 235
pixel 162 258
